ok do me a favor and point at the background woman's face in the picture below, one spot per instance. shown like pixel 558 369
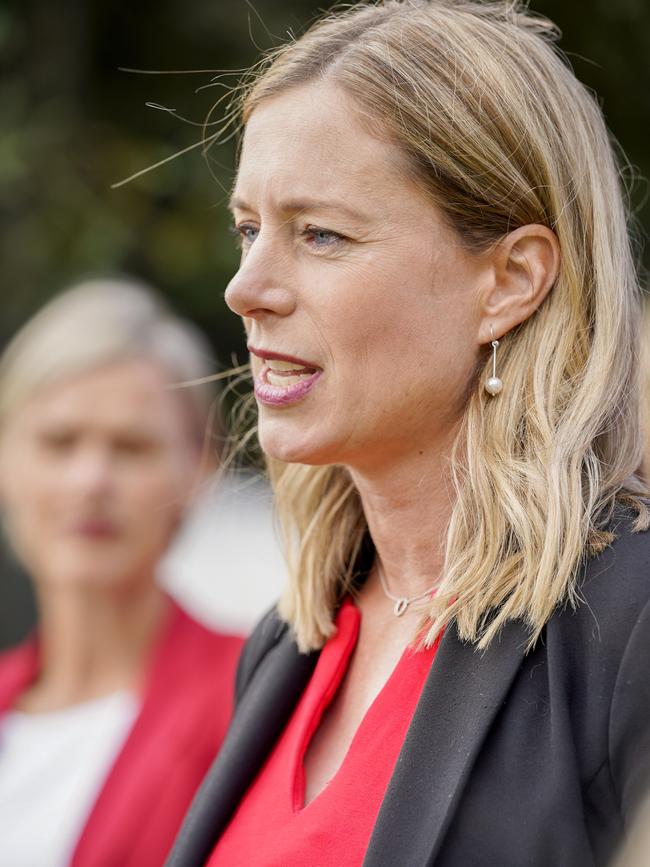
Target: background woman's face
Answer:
pixel 351 277
pixel 94 473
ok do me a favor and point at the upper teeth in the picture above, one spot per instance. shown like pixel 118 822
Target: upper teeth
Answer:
pixel 286 380
pixel 277 364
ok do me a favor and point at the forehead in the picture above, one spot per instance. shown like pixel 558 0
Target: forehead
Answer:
pixel 133 393
pixel 312 139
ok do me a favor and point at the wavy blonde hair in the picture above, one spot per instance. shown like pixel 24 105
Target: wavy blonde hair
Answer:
pixel 501 134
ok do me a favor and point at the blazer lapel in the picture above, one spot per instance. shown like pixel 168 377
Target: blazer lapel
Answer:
pixel 462 695
pixel 263 712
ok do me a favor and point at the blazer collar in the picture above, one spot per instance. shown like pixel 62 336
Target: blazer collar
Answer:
pixel 265 707
pixel 462 694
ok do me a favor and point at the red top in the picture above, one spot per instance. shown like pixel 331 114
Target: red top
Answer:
pixel 185 710
pixel 272 827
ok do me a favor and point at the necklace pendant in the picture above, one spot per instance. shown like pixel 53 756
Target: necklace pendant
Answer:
pixel 400 606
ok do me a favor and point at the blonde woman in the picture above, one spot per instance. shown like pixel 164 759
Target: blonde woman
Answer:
pixel 441 309
pixel 120 691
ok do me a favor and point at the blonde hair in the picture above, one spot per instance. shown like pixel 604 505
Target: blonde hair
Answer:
pixel 501 134
pixel 644 367
pixel 99 322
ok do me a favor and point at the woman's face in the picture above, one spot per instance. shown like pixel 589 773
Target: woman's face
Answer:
pixel 94 474
pixel 359 303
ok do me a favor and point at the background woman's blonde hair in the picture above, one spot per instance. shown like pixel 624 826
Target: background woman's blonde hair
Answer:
pixel 500 133
pixel 99 322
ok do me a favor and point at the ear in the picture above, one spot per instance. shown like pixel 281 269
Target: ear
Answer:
pixel 523 268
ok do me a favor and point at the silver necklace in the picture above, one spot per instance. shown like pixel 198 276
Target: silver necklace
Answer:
pixel 401 602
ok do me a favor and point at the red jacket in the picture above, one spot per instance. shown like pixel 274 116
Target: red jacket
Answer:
pixel 185 710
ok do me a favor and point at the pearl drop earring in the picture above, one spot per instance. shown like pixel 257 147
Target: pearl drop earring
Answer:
pixel 493 384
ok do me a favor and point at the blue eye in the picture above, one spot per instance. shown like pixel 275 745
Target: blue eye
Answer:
pixel 321 237
pixel 246 233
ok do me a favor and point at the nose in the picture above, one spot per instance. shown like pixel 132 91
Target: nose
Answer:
pixel 260 288
pixel 90 473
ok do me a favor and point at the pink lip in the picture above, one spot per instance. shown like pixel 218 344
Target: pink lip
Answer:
pixel 275 395
pixel 95 529
pixel 277 356
pixel 279 396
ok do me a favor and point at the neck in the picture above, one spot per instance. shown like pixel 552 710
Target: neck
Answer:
pixel 408 504
pixel 93 641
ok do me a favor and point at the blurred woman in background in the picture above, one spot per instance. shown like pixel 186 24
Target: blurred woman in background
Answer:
pixel 112 712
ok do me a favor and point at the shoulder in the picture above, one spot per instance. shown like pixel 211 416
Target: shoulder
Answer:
pixel 185 628
pixel 613 591
pixel 189 652
pixel 268 632
pixel 18 668
pixel 614 588
pixel 597 653
pixel 14 656
pixel 612 627
pixel 590 649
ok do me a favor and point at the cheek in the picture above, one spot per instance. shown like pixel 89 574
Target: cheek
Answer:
pixel 406 355
pixel 29 516
pixel 153 498
pixel 376 342
pixel 29 488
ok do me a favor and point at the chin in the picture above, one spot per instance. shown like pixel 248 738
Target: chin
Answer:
pixel 81 570
pixel 83 576
pixel 290 444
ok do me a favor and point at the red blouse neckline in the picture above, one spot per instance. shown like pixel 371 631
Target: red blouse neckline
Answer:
pixel 272 824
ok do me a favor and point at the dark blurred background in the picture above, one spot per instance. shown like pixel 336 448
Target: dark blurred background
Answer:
pixel 72 124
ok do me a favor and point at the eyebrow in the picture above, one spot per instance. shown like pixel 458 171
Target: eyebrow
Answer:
pixel 295 206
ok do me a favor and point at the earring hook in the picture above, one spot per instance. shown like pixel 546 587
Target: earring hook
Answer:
pixel 494 385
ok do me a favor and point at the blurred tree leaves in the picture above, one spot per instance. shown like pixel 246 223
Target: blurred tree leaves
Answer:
pixel 72 124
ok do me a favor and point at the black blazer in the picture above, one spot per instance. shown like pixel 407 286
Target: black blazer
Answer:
pixel 511 759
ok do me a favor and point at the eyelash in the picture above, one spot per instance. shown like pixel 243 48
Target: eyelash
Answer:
pixel 240 233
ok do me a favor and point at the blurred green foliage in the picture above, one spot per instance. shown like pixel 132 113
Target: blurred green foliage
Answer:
pixel 72 124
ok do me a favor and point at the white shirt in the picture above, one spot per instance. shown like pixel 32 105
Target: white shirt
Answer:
pixel 52 768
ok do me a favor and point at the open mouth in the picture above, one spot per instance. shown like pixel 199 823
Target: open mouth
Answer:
pixel 285 373
pixel 283 380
